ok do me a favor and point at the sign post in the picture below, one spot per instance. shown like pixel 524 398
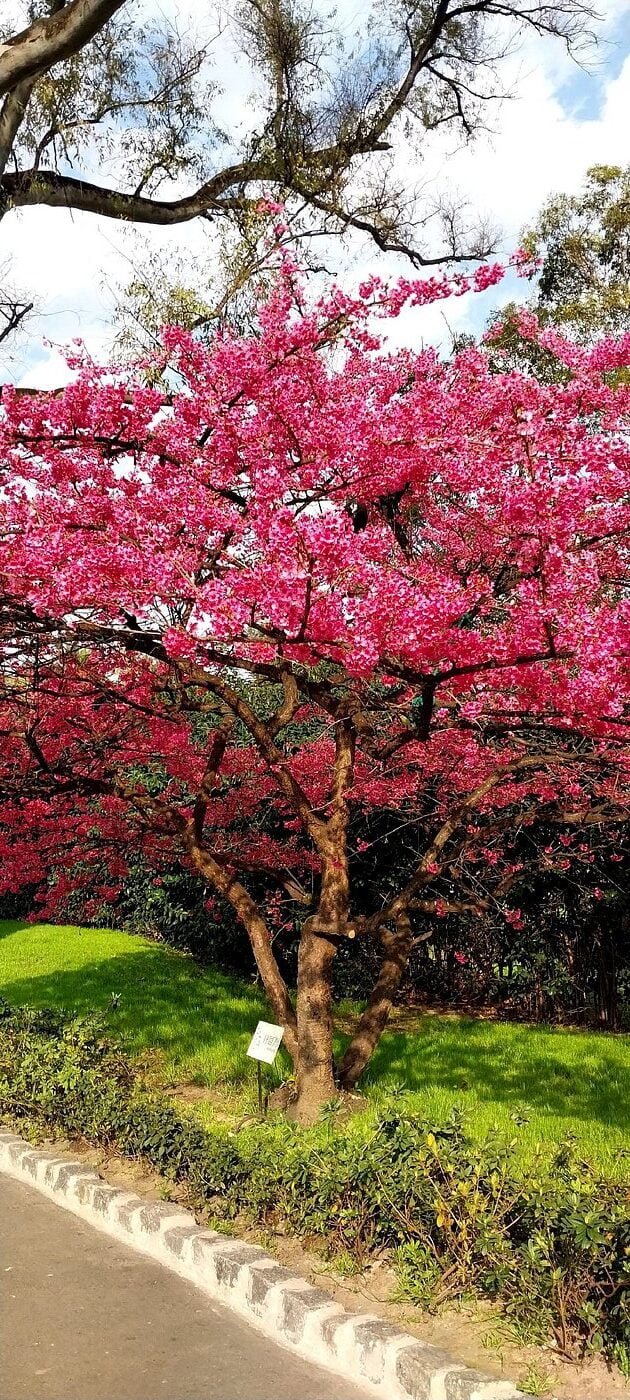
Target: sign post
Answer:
pixel 263 1048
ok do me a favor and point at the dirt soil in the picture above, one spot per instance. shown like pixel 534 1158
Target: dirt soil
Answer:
pixel 477 1336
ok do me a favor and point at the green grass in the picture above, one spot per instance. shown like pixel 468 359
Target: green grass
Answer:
pixel 559 1081
pixel 200 1021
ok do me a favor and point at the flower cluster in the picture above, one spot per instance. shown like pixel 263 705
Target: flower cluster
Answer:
pixel 433 547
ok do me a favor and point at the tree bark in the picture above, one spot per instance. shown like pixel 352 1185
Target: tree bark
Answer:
pixel 396 950
pixel 52 38
pixel 315 1072
pixel 319 942
pixel 248 914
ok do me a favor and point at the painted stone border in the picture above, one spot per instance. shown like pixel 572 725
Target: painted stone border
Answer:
pixel 362 1348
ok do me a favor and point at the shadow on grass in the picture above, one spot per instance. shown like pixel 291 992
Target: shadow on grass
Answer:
pixel 9 926
pixel 201 1021
pixel 562 1073
pixel 153 999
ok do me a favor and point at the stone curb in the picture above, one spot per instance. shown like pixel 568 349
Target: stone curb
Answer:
pixel 365 1349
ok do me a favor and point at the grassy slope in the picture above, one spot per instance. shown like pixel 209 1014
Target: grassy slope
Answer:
pixel 201 1021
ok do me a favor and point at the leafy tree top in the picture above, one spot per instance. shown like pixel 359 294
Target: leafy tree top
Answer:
pixel 581 244
pixel 112 109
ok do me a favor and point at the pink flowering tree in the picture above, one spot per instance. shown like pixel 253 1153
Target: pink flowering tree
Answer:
pixel 310 581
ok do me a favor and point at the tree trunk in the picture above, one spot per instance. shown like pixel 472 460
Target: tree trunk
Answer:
pixel 247 911
pixel 318 946
pixel 315 1074
pixel 396 950
pixel 606 996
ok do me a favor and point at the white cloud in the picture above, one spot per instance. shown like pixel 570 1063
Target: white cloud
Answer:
pixel 540 148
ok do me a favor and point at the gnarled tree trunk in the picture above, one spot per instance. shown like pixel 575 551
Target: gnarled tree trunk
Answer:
pixel 247 911
pixel 396 950
pixel 315 1080
pixel 319 942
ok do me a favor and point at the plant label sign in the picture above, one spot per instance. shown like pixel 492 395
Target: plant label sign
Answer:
pixel 265 1042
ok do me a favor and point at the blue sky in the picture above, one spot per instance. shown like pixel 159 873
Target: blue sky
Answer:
pixel 559 120
pixel 584 93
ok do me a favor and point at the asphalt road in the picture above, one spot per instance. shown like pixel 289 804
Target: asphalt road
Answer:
pixel 85 1318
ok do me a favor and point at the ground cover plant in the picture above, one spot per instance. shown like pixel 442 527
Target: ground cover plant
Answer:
pixel 308 582
pixel 536 1084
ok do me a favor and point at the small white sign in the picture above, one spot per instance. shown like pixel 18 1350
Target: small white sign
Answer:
pixel 265 1042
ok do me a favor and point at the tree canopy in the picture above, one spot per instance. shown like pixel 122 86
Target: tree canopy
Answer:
pixel 91 86
pixel 581 243
pixel 310 582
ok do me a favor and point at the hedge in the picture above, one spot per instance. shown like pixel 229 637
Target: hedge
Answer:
pixel 455 1216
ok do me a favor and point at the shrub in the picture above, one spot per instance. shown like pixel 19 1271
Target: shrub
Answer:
pixel 457 1217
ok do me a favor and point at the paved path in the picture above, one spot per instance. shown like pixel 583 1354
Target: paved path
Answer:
pixel 85 1318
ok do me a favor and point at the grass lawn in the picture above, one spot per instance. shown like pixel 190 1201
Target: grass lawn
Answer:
pixel 200 1021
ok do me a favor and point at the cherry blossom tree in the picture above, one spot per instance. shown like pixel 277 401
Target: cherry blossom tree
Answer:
pixel 312 581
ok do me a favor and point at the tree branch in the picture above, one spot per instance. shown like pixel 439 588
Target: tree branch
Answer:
pixel 12 115
pixel 32 187
pixel 47 41
pixel 423 872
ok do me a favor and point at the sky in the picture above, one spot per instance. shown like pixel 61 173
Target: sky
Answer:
pixel 559 119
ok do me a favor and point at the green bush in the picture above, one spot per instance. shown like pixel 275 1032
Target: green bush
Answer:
pixel 459 1221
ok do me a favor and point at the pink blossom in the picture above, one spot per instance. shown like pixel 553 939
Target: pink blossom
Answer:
pixel 429 553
